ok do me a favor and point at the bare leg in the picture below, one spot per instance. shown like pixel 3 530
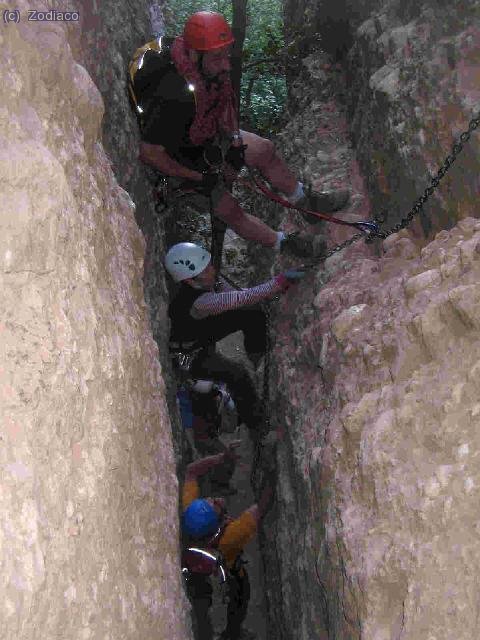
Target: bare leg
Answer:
pixel 262 154
pixel 248 227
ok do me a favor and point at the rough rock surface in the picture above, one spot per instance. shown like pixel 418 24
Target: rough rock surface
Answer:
pixel 104 41
pixel 374 533
pixel 89 530
pixel 411 82
pixel 377 510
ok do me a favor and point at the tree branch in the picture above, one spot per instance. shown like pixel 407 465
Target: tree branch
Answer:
pixel 280 58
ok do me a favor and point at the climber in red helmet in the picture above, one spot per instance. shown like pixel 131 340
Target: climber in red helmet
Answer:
pixel 189 126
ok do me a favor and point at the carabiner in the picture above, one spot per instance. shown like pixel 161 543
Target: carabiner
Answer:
pixel 213 158
pixel 370 229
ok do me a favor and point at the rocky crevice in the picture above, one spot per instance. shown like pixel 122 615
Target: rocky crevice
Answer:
pixel 375 365
pixel 374 404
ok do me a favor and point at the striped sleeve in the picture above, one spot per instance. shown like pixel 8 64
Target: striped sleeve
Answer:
pixel 211 303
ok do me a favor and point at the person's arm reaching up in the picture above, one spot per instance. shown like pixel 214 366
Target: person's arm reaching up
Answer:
pixel 211 303
pixel 259 509
pixel 200 467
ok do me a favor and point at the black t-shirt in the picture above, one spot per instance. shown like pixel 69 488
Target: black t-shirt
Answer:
pixel 205 331
pixel 168 107
pixel 184 328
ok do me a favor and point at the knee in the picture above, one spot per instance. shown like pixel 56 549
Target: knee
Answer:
pixel 265 152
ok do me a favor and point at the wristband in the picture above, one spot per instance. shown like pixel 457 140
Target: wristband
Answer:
pixel 282 281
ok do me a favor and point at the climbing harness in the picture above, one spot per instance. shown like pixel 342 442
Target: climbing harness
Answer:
pixel 208 561
pixel 251 180
pixel 204 562
pixel 183 355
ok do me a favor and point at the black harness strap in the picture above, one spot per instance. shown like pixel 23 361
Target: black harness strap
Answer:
pixel 218 235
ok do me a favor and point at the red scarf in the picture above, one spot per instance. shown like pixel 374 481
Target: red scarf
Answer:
pixel 215 106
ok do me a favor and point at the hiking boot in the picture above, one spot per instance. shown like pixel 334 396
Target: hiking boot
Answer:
pixel 323 202
pixel 303 245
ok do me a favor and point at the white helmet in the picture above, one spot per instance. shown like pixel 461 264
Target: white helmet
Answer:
pixel 186 260
pixel 202 386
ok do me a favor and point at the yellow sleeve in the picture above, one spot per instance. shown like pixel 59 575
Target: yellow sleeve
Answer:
pixel 191 492
pixel 236 536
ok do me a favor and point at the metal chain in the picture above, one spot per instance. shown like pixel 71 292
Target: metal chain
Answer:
pixel 266 370
pixel 435 181
pixel 417 207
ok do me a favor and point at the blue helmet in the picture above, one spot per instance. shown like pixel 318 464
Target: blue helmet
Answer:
pixel 200 519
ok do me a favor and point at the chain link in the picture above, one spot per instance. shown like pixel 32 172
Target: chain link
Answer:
pixel 415 210
pixel 418 205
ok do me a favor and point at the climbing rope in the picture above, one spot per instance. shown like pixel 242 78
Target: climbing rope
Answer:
pixel 367 226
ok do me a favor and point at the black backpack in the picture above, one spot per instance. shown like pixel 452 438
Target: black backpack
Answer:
pixel 145 71
pixel 205 559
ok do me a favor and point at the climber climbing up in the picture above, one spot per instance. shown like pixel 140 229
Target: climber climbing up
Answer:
pixel 214 544
pixel 183 95
pixel 205 311
pixel 202 404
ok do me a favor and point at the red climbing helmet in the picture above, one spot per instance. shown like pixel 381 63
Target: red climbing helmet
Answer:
pixel 206 31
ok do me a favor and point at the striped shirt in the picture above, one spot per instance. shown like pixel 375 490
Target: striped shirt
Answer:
pixel 225 298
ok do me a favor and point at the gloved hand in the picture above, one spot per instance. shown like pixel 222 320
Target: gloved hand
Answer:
pixel 236 156
pixel 289 277
pixel 294 275
pixel 209 181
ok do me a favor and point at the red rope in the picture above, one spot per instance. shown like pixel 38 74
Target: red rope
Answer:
pixel 289 205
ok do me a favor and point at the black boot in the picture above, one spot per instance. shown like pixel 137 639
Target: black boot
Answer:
pixel 304 245
pixel 323 202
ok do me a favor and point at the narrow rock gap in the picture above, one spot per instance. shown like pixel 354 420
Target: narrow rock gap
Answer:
pixel 375 528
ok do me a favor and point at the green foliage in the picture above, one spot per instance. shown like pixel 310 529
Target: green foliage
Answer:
pixel 263 92
pixel 265 106
pixel 177 11
pixel 263 40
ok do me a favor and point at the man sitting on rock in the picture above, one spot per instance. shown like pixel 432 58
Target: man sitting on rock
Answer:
pixel 205 311
pixel 189 127
pixel 207 527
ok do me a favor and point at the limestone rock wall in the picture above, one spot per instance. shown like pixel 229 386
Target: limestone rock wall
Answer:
pixel 104 41
pixel 377 469
pixel 410 80
pixel 374 534
pixel 89 528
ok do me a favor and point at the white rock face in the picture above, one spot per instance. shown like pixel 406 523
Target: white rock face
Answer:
pixel 89 531
pixel 383 454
